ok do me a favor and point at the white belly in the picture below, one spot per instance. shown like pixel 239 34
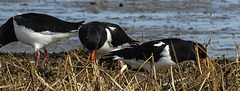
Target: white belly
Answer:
pixel 38 39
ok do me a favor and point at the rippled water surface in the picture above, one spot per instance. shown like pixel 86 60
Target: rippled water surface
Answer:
pixel 197 20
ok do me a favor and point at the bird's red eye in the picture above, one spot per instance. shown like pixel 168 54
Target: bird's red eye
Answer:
pixel 200 52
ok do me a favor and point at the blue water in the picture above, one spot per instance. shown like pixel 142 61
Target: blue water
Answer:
pixel 216 19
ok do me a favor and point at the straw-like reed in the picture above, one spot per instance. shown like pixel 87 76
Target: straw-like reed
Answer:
pixel 72 71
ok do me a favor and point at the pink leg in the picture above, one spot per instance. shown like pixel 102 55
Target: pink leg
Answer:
pixel 45 55
pixel 151 73
pixel 37 55
pixel 121 63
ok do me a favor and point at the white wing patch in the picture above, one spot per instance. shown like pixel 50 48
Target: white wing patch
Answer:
pixel 107 47
pixel 19 13
pixel 112 28
pixel 47 32
pixel 165 60
pixel 125 45
pixel 165 51
pixel 159 44
pixel 74 31
pixel 52 33
pixel 117 57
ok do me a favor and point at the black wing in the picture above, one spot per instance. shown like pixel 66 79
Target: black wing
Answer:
pixel 42 22
pixel 119 37
pixel 141 52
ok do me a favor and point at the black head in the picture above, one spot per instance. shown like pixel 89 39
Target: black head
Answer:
pixel 185 50
pixel 7 33
pixel 196 49
pixel 92 35
pixel 201 51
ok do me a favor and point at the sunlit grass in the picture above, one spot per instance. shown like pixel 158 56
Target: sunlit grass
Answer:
pixel 73 71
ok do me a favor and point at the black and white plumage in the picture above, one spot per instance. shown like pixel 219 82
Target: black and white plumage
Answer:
pixel 103 38
pixel 162 51
pixel 38 30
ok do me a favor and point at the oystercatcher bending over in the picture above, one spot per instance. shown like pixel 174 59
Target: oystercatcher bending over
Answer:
pixel 38 30
pixel 100 38
pixel 165 52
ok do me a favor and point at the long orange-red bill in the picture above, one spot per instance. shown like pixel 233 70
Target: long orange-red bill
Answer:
pixel 92 55
pixel 203 61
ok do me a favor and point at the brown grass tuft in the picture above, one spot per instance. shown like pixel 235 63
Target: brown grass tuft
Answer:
pixel 70 71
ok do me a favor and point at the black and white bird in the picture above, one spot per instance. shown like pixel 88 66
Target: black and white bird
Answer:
pixel 37 30
pixel 162 51
pixel 101 38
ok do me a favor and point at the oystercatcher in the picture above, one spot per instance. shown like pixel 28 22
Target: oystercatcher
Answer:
pixel 38 30
pixel 163 52
pixel 100 38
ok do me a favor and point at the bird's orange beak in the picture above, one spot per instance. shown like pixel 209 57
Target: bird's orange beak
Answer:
pixel 92 55
pixel 203 62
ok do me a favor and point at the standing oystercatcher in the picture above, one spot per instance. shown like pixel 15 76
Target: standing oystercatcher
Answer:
pixel 162 51
pixel 100 38
pixel 38 30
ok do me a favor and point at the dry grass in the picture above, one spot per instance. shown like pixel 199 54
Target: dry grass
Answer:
pixel 70 71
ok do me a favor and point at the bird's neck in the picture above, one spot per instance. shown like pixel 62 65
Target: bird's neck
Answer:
pixel 7 33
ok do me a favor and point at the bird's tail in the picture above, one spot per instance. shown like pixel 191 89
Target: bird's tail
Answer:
pixel 134 41
pixel 80 23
